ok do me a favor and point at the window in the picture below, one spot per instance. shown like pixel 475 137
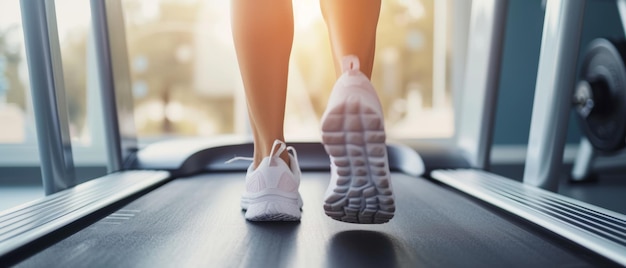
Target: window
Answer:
pixel 20 178
pixel 186 80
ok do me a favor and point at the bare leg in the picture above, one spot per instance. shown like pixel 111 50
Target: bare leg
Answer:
pixel 263 35
pixel 352 29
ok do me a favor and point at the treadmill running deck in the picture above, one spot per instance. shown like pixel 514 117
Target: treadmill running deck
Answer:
pixel 197 222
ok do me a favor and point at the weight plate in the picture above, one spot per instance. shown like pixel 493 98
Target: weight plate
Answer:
pixel 601 95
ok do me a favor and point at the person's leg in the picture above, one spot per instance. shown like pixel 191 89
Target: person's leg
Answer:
pixel 352 29
pixel 352 126
pixel 263 35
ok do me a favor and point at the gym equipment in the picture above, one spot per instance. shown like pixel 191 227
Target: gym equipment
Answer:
pixel 601 107
pixel 600 95
pixel 196 221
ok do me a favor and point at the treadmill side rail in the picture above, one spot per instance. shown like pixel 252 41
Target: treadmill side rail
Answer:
pixel 600 230
pixel 24 224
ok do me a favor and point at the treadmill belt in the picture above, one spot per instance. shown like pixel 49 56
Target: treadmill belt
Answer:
pixel 197 222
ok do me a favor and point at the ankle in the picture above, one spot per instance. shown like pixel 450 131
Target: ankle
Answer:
pixel 258 157
pixel 285 157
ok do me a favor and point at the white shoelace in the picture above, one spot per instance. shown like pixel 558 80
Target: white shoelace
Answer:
pixel 273 153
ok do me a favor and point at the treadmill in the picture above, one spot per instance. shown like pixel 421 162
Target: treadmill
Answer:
pixel 176 203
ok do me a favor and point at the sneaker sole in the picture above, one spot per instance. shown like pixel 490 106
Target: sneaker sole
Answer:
pixel 353 135
pixel 271 207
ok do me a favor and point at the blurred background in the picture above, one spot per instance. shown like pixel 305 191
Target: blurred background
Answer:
pixel 186 81
pixel 185 77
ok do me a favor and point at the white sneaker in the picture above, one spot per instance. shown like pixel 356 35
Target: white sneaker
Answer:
pixel 354 137
pixel 271 192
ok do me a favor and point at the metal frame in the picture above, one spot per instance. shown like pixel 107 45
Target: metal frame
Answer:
pixel 584 159
pixel 48 92
pixel 440 36
pixel 35 220
pixel 461 12
pixel 621 7
pixel 556 77
pixel 482 75
pixel 592 227
pixel 115 83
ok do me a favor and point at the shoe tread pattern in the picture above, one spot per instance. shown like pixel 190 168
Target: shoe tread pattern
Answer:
pixel 353 135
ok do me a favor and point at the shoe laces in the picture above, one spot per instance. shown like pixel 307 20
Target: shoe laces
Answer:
pixel 274 153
